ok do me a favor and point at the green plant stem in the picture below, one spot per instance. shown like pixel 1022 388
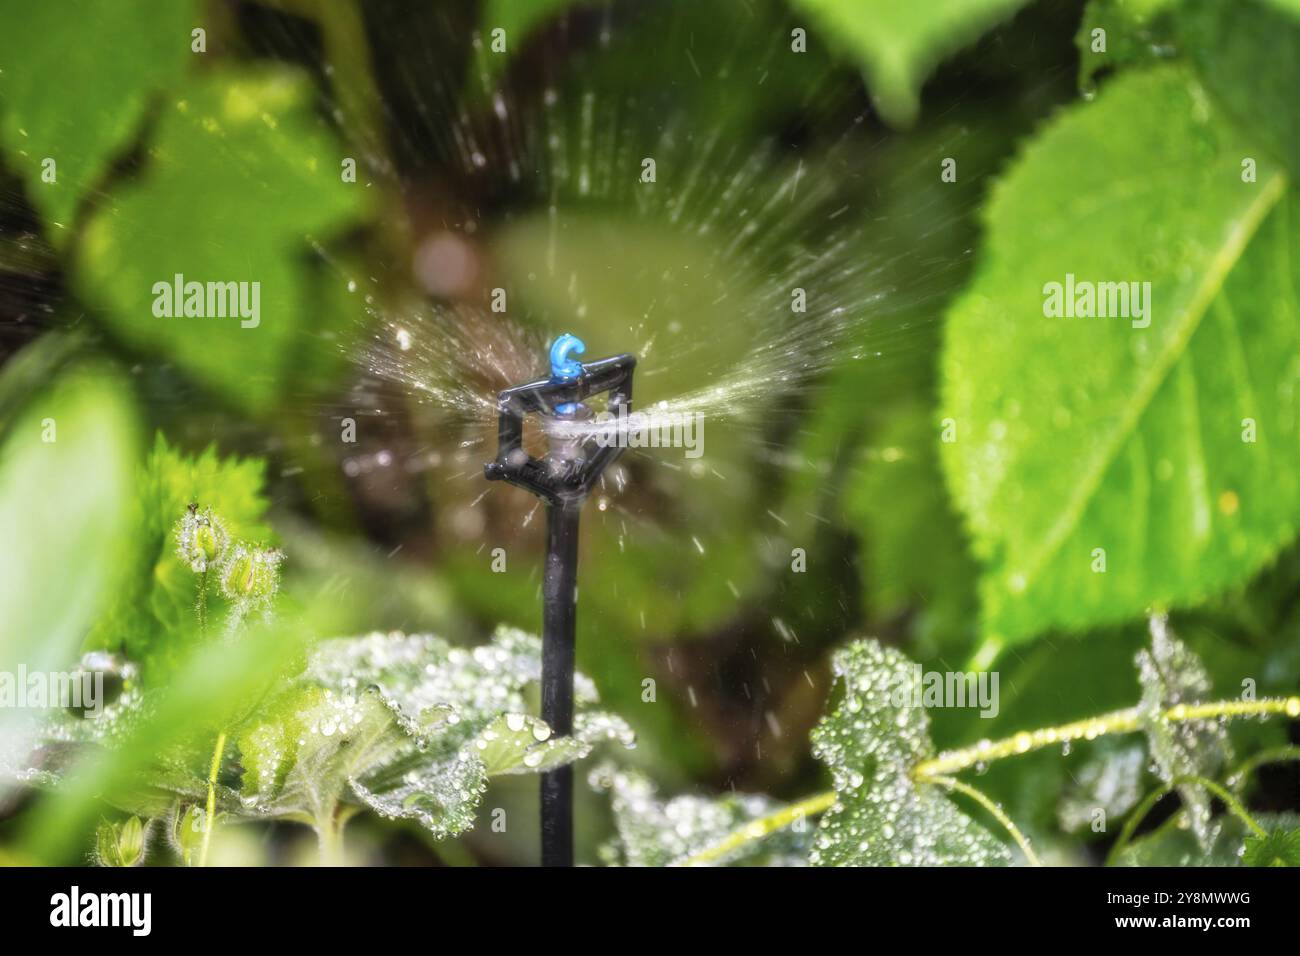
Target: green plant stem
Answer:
pixel 329 831
pixel 1238 778
pixel 951 761
pixel 952 783
pixel 202 605
pixel 985 655
pixel 761 827
pixel 1118 722
pixel 211 813
pixel 1155 796
pixel 331 844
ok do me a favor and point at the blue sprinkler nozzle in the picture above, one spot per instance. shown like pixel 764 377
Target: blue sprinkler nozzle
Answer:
pixel 563 368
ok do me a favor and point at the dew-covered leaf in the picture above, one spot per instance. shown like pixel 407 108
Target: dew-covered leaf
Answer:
pixel 1176 438
pixel 320 748
pixel 1110 781
pixel 519 743
pixel 421 670
pixel 1229 842
pixel 1280 847
pixel 1172 675
pixel 657 832
pixel 65 737
pixel 871 742
pixel 408 726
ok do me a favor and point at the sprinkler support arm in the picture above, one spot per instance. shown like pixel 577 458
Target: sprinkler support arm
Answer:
pixel 562 479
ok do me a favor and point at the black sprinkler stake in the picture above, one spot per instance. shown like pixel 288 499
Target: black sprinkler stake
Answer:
pixel 562 478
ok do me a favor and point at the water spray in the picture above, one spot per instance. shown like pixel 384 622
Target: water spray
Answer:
pixel 563 477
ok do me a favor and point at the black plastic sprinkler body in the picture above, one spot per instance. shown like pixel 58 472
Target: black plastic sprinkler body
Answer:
pixel 574 461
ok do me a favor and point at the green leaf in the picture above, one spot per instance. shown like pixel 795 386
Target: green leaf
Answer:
pixel 1245 53
pixel 898 44
pixel 1057 679
pixel 317 747
pixel 1230 844
pixel 1079 434
pixel 1172 675
pixel 153 619
pixel 655 832
pixel 166 739
pixel 871 742
pixel 62 98
pixel 64 535
pixel 1111 781
pixel 1134 31
pixel 1281 847
pixel 197 212
pixel 408 727
pixel 519 743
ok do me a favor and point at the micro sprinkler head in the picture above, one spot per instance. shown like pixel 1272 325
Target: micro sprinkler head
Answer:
pixel 563 477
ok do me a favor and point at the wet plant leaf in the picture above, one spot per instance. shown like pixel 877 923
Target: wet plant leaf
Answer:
pixel 1230 843
pixel 319 748
pixel 519 743
pixel 1281 847
pixel 870 742
pixel 657 832
pixel 1171 675
pixel 1111 781
pixel 1180 439
pixel 407 726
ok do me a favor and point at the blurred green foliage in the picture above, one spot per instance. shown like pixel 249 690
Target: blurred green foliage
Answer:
pixel 202 211
pixel 60 527
pixel 112 60
pixel 775 167
pixel 899 44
